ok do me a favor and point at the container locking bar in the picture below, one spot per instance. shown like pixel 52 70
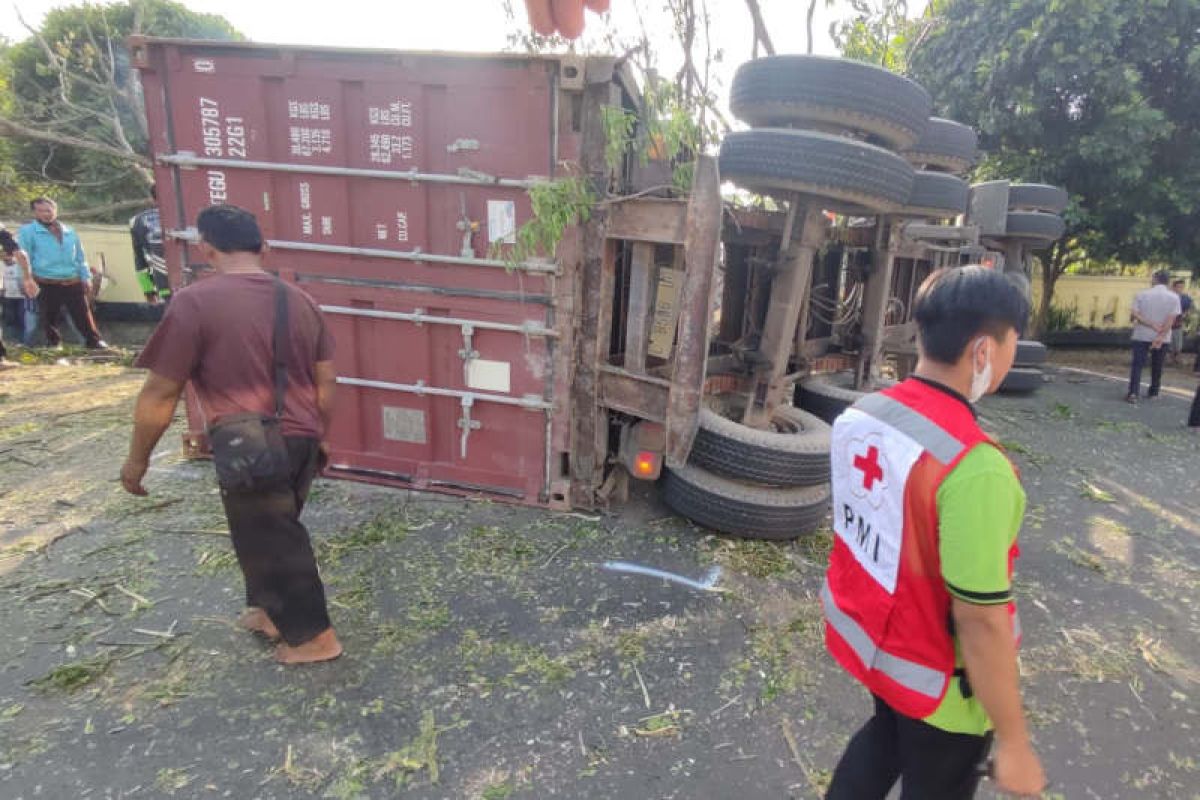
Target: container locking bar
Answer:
pixel 541 267
pixel 420 317
pixel 467 178
pixel 531 401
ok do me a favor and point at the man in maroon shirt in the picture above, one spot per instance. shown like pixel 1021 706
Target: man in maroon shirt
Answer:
pixel 217 333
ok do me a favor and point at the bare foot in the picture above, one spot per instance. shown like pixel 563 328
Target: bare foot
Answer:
pixel 256 620
pixel 325 647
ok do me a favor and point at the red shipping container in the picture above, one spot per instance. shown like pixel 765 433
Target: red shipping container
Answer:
pixel 386 183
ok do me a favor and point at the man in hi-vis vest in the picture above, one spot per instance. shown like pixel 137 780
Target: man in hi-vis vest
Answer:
pixel 918 597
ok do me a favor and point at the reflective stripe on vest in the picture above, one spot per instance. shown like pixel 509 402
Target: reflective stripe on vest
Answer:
pixel 940 444
pixel 909 674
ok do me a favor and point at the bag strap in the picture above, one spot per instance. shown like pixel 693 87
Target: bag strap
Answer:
pixel 279 356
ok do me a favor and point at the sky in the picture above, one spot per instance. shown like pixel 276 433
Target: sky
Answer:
pixel 477 25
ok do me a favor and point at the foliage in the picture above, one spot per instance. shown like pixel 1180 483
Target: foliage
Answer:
pixel 1099 96
pixel 1061 319
pixel 666 130
pixel 880 32
pixel 73 77
pixel 557 205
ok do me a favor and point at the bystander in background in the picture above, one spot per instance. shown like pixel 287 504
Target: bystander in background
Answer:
pixel 18 290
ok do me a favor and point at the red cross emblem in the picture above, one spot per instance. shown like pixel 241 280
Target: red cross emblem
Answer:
pixel 869 465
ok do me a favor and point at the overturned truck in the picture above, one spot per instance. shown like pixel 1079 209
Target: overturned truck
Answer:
pixel 679 339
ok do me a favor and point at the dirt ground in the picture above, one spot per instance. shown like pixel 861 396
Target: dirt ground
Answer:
pixel 490 656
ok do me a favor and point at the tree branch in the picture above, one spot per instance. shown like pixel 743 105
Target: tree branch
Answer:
pixel 812 11
pixel 760 29
pixel 14 128
pixel 99 211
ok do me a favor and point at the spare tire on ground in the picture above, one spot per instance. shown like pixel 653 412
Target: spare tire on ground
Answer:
pixel 756 512
pixel 1030 353
pixel 1037 197
pixel 794 452
pixel 1035 226
pixel 936 195
pixel 829 395
pixel 817 90
pixel 1022 380
pixel 945 144
pixel 845 174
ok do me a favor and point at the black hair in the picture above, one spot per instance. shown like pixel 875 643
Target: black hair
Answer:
pixel 955 305
pixel 1162 276
pixel 7 243
pixel 37 201
pixel 230 229
pixel 1178 282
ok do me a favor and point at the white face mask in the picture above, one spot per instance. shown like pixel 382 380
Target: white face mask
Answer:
pixel 981 380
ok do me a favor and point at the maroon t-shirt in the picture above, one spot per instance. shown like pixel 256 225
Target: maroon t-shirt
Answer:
pixel 217 333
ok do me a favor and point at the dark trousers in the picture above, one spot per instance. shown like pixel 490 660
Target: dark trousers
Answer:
pixel 54 298
pixel 1194 417
pixel 274 551
pixel 1141 350
pixel 931 764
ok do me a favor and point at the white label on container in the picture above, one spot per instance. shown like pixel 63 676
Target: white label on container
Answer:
pixel 404 425
pixel 205 65
pixel 502 221
pixel 489 376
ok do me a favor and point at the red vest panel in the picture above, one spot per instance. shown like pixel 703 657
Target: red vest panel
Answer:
pixel 886 605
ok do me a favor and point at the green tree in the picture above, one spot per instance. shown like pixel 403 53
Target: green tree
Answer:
pixel 1099 96
pixel 72 109
pixel 879 32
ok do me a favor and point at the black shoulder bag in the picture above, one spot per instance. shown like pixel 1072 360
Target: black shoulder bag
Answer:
pixel 248 449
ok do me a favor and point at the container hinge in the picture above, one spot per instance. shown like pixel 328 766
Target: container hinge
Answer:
pixel 460 145
pixel 476 175
pixel 466 423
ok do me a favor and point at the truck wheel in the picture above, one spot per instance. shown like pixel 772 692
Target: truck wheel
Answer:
pixel 756 512
pixel 945 144
pixel 1030 353
pixel 1021 380
pixel 855 176
pixel 798 90
pixel 794 452
pixel 1037 197
pixel 1035 226
pixel 828 396
pixel 936 195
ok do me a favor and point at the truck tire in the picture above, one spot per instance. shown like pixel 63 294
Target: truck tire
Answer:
pixel 828 396
pixel 797 90
pixel 1030 353
pixel 795 452
pixel 1036 226
pixel 945 144
pixel 755 512
pixel 1022 380
pixel 849 175
pixel 936 195
pixel 1037 197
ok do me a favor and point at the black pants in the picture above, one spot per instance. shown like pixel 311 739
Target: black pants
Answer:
pixel 274 551
pixel 1141 350
pixel 54 297
pixel 930 763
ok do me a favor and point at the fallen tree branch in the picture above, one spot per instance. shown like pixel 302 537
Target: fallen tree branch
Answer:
pixel 13 128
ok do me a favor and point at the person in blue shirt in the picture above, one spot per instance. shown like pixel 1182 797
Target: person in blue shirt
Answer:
pixel 61 272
